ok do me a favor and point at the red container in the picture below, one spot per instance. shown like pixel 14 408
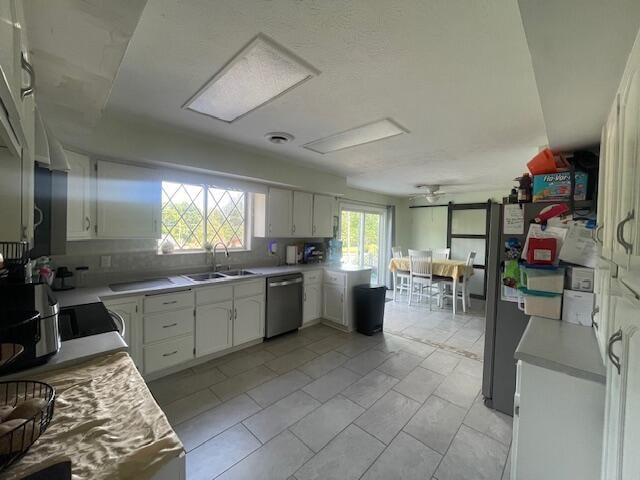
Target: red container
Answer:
pixel 542 251
pixel 543 162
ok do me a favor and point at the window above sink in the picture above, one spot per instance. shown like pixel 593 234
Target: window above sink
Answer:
pixel 193 215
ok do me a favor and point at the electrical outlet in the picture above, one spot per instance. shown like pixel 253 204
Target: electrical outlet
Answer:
pixel 105 261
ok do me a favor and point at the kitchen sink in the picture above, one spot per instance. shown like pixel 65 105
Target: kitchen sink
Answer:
pixel 237 273
pixel 204 277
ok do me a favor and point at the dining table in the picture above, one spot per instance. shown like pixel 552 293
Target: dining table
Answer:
pixel 456 270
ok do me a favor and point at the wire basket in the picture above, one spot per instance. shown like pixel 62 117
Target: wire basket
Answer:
pixel 16 442
pixel 14 256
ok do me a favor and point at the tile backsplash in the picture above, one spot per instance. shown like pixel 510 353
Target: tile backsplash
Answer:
pixel 133 259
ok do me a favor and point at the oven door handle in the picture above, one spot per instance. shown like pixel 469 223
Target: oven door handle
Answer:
pixel 119 321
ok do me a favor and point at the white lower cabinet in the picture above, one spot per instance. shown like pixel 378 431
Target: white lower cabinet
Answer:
pixel 620 459
pixel 312 304
pixel 162 326
pixel 557 425
pixel 130 309
pixel 169 353
pixel 168 333
pixel 214 324
pixel 312 295
pixel 229 315
pixel 333 303
pixel 248 319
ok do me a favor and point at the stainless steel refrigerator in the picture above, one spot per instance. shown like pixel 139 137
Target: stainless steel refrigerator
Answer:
pixel 505 323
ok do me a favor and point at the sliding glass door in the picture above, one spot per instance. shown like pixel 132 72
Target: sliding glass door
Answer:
pixel 363 238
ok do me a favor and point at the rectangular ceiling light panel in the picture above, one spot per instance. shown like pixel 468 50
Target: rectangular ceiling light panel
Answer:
pixel 260 72
pixel 371 132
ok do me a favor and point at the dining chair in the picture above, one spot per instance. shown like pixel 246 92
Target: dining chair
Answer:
pixel 421 274
pixel 441 254
pixel 462 283
pixel 401 276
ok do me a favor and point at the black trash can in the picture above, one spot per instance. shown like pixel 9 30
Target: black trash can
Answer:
pixel 369 308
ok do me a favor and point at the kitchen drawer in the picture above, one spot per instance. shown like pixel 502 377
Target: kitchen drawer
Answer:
pixel 313 277
pixel 335 278
pixel 161 326
pixel 209 295
pixel 168 301
pixel 249 289
pixel 167 354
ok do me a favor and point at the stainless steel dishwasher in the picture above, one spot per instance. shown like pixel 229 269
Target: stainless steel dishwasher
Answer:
pixel 284 304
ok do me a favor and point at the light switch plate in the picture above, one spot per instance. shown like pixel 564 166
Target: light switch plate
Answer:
pixel 105 261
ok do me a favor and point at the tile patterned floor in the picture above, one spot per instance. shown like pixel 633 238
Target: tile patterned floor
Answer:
pixel 321 404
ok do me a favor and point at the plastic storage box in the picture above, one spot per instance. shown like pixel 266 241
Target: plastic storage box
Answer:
pixel 553 187
pixel 542 304
pixel 540 280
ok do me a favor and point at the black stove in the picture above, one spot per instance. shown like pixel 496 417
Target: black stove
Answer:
pixel 84 320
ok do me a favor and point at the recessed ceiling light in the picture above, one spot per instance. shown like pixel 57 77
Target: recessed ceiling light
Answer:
pixel 368 133
pixel 279 137
pixel 260 72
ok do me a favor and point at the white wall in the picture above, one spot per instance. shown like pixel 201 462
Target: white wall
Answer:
pixel 145 143
pixel 428 226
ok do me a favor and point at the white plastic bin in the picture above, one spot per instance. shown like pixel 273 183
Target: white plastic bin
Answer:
pixel 542 280
pixel 543 306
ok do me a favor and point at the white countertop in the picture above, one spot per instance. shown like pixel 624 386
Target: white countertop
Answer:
pixel 82 295
pixel 76 351
pixel 563 347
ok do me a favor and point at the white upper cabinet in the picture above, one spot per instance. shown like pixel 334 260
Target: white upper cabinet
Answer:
pixel 10 197
pixel 285 213
pixel 622 405
pixel 80 199
pixel 323 216
pixel 629 110
pixel 128 201
pixel 302 214
pixel 11 80
pixel 279 213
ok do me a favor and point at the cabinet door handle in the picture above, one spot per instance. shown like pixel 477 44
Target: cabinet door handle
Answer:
pixel 599 229
pixel 313 230
pixel 294 228
pixel 235 313
pixel 169 354
pixel 37 210
pixel 87 223
pixel 305 296
pixel 29 89
pixel 593 314
pixel 342 298
pixel 170 303
pixel 169 326
pixel 230 314
pixel 628 247
pixel 615 359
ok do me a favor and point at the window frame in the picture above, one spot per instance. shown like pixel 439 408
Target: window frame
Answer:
pixel 247 218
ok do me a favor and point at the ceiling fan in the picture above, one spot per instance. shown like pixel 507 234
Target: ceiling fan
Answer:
pixel 431 193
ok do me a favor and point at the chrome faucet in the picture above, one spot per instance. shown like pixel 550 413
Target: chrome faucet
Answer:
pixel 213 253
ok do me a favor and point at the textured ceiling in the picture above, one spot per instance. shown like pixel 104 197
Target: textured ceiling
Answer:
pixel 579 49
pixel 76 47
pixel 457 75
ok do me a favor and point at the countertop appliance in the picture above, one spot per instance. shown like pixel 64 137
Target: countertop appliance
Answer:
pixel 39 336
pixel 505 322
pixel 313 253
pixel 292 254
pixel 284 304
pixel 64 279
pixel 89 319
